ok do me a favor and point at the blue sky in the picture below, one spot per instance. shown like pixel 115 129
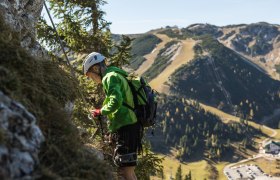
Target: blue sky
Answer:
pixel 139 16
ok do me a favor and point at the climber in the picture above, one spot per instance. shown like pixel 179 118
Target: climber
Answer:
pixel 122 124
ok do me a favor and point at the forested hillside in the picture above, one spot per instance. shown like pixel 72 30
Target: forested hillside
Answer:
pixel 253 93
pixel 242 87
pixel 197 134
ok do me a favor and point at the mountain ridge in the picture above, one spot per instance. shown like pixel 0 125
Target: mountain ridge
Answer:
pixel 206 33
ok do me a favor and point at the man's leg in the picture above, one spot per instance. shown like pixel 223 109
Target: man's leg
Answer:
pixel 128 173
pixel 125 154
pixel 133 173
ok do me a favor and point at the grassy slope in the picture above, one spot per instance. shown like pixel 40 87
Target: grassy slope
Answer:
pixel 198 169
pixel 152 56
pixel 228 117
pixel 141 46
pixel 185 55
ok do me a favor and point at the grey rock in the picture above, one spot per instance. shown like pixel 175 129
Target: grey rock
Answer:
pixel 21 16
pixel 202 29
pixel 262 35
pixel 22 138
pixel 92 150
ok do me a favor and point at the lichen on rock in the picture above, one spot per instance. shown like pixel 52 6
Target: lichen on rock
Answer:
pixel 20 142
pixel 22 16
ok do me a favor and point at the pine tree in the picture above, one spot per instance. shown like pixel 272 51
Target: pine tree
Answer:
pixel 195 142
pixel 121 58
pixel 179 173
pixel 218 153
pixel 148 164
pixel 161 174
pixel 216 128
pixel 228 143
pixel 82 28
pixel 188 176
pixel 208 142
pixel 251 114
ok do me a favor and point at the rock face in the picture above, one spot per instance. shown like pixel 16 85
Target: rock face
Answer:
pixel 258 42
pixel 202 29
pixel 20 139
pixel 21 16
pixel 256 39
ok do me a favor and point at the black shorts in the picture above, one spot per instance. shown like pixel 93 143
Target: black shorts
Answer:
pixel 127 144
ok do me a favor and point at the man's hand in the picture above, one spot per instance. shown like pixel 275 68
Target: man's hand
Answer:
pixel 95 113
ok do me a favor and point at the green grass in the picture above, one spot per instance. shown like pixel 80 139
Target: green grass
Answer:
pixel 144 45
pixel 160 63
pixel 198 169
pixel 136 62
pixel 140 47
pixel 220 167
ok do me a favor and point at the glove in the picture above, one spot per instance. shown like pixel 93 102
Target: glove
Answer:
pixel 95 113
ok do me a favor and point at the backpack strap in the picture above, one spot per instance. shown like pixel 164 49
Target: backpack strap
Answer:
pixel 134 93
pixel 133 90
pixel 128 106
pixel 139 94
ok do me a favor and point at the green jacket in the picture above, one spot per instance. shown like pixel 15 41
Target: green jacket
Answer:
pixel 117 91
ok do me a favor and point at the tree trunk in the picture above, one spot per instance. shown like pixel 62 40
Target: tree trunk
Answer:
pixel 95 25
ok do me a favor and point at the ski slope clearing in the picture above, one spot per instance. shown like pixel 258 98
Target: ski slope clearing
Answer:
pixel 150 58
pixel 184 54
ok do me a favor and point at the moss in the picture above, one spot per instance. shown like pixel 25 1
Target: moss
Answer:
pixel 44 87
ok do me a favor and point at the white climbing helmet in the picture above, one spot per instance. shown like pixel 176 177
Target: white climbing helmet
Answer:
pixel 91 59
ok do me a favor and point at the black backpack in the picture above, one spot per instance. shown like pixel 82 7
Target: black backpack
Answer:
pixel 145 102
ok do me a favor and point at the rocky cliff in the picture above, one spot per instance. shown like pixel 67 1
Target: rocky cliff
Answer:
pixel 20 140
pixel 258 42
pixel 20 137
pixel 21 16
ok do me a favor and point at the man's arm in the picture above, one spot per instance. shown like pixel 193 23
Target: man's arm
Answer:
pixel 114 98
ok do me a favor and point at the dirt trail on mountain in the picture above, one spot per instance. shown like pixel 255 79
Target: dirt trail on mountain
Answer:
pixel 183 55
pixel 150 58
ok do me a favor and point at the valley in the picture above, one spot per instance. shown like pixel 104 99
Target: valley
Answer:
pixel 201 169
pixel 184 50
